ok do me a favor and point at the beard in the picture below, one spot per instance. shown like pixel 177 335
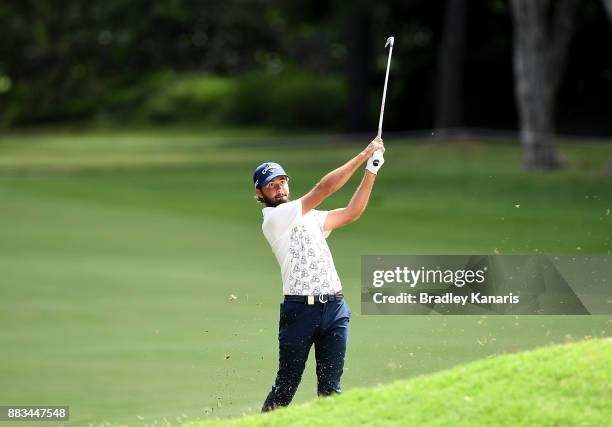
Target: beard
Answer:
pixel 274 202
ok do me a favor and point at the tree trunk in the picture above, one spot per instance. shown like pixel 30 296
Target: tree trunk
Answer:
pixel 449 113
pixel 541 40
pixel 360 48
pixel 608 7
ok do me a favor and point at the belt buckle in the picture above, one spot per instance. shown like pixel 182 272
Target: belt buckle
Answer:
pixel 310 299
pixel 321 299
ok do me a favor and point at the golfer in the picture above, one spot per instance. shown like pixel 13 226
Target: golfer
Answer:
pixel 314 310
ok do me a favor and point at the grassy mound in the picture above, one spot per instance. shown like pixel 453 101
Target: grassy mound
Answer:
pixel 553 386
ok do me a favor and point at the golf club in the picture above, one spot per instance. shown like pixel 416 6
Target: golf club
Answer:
pixel 378 154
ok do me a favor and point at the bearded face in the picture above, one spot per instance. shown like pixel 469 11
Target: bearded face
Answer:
pixel 275 192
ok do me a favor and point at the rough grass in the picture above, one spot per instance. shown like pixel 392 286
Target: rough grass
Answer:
pixel 567 385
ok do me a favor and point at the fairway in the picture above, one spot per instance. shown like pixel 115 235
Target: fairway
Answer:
pixel 119 252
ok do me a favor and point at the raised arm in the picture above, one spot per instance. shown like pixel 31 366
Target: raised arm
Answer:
pixel 334 180
pixel 339 217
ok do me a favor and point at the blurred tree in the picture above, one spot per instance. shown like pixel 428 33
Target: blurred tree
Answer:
pixel 541 36
pixel 449 100
pixel 359 33
pixel 80 59
pixel 88 60
pixel 608 7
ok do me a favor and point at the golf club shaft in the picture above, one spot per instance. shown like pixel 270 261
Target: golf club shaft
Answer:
pixel 382 106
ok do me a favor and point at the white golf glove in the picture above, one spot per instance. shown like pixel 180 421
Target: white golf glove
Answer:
pixel 376 156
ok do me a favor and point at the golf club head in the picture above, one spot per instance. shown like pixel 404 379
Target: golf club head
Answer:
pixel 390 41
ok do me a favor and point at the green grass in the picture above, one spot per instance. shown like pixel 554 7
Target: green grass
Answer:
pixel 119 250
pixel 565 385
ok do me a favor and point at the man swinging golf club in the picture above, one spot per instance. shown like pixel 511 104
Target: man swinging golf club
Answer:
pixel 314 310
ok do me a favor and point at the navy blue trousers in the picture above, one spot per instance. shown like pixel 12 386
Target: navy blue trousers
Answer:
pixel 300 326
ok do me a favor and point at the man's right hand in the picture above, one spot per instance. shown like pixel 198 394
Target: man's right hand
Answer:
pixel 376 144
pixel 331 182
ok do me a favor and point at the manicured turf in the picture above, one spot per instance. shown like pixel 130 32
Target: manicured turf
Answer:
pixel 119 251
pixel 564 385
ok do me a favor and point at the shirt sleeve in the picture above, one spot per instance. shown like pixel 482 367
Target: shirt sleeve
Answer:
pixel 320 217
pixel 281 219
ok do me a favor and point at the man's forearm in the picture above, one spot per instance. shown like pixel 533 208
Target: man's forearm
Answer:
pixel 334 180
pixel 359 201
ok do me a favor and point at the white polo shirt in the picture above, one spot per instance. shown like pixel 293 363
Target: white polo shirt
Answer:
pixel 298 242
